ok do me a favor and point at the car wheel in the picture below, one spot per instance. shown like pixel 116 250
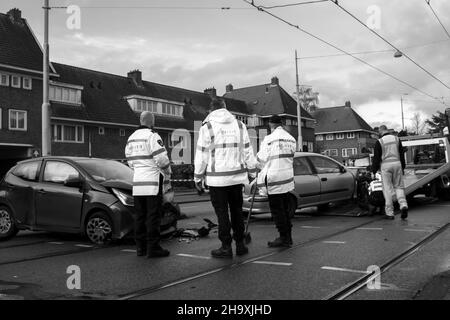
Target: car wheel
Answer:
pixel 99 228
pixel 292 206
pixel 8 227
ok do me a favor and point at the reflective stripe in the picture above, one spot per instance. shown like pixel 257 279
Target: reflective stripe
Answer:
pixel 158 151
pixel 213 149
pixel 146 157
pixel 137 140
pixel 276 183
pixel 226 173
pixel 280 156
pixel 241 143
pixel 145 183
pixel 280 140
pixel 227 145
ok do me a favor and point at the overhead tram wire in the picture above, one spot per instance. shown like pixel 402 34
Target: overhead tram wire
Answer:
pixel 389 43
pixel 156 7
pixel 437 17
pixel 292 4
pixel 340 50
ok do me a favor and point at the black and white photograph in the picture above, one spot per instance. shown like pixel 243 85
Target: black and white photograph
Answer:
pixel 225 158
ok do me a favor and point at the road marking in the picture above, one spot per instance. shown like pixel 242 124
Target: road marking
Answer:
pixel 55 242
pixel 273 263
pixel 310 227
pixel 343 269
pixel 84 245
pixel 335 242
pixel 417 230
pixel 192 256
pixel 369 228
pixel 129 250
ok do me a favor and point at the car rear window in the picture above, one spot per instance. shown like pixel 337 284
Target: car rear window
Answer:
pixel 27 171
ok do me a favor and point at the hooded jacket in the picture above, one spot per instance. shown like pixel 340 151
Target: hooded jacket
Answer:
pixel 224 156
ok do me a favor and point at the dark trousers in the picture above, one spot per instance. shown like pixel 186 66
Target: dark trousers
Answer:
pixel 279 207
pixel 223 198
pixel 148 218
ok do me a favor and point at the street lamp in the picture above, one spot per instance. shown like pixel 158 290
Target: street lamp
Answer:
pixel 401 104
pixel 299 114
pixel 46 138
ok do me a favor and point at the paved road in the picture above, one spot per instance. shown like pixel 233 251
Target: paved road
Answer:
pixel 330 252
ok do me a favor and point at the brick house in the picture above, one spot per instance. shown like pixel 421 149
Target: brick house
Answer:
pixel 342 133
pixel 268 99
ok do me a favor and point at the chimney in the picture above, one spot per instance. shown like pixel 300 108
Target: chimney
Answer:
pixel 15 15
pixel 211 92
pixel 136 75
pixel 348 104
pixel 274 81
pixel 229 88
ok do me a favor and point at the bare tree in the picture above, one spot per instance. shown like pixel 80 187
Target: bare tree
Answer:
pixel 417 123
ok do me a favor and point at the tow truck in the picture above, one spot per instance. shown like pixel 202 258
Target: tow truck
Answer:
pixel 427 169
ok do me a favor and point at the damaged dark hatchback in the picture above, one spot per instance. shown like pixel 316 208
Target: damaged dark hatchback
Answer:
pixel 87 196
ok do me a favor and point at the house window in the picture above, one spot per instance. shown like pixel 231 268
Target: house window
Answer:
pixel 347 152
pixel 15 81
pixel 17 120
pixel 319 137
pixel 172 109
pixel 101 131
pixel 350 135
pixel 330 137
pixel 4 79
pixel 331 152
pixel 122 132
pixel 27 83
pixel 65 95
pixel 243 119
pixel 339 136
pixel 68 133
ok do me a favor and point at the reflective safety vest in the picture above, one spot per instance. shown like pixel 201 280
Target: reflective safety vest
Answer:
pixel 148 158
pixel 376 185
pixel 389 149
pixel 276 161
pixel 224 156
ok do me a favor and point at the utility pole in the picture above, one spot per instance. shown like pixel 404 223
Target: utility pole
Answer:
pixel 46 138
pixel 299 115
pixel 403 118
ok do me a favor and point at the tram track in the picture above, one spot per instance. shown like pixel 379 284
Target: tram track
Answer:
pixel 353 287
pixel 200 275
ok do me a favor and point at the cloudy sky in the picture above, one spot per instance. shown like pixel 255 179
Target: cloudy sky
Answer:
pixel 196 45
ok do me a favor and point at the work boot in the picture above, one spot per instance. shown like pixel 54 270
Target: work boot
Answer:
pixel 157 252
pixel 289 238
pixel 279 242
pixel 404 214
pixel 225 251
pixel 241 248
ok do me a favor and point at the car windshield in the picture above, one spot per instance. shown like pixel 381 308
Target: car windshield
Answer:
pixel 106 170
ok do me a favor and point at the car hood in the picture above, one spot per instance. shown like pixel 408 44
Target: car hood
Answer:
pixel 119 184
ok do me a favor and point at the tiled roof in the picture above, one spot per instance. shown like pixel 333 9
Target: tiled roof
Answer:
pixel 267 99
pixel 18 47
pixel 103 98
pixel 338 119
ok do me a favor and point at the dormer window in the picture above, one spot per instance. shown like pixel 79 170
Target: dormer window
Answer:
pixel 154 105
pixel 65 93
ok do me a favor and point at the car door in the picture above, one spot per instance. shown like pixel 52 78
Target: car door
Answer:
pixel 307 184
pixel 20 184
pixel 335 182
pixel 58 205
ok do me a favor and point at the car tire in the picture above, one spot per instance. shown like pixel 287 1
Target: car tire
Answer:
pixel 292 205
pixel 99 228
pixel 8 228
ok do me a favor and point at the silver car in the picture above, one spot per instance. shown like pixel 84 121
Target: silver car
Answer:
pixel 319 180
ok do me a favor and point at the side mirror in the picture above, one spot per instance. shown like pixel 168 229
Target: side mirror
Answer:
pixel 343 170
pixel 74 182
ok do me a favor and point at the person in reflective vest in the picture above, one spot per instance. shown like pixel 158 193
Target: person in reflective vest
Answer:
pixel 147 156
pixel 224 159
pixel 389 159
pixel 275 159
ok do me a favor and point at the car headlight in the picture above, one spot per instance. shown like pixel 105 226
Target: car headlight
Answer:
pixel 126 199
